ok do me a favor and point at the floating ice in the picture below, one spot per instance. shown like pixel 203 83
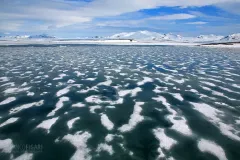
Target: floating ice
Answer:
pixel 179 125
pixel 213 115
pixel 16 90
pixel 25 106
pixel 106 122
pixel 105 147
pixel 134 119
pixel 109 138
pixel 25 156
pixel 9 121
pixel 79 140
pixel 93 108
pixel 133 92
pixel 8 100
pixel 70 123
pixel 79 104
pixel 145 80
pixel 6 145
pixel 47 124
pixel 212 148
pixel 178 96
pixel 59 105
pixel 60 77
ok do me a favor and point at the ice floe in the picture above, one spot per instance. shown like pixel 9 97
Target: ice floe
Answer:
pixel 6 145
pixel 135 118
pixel 106 122
pixel 9 121
pixel 8 100
pixel 71 122
pixel 145 80
pixel 179 125
pixel 213 115
pixel 47 124
pixel 212 148
pixel 24 156
pixel 133 92
pixel 164 141
pixel 79 141
pixel 59 105
pixel 26 106
pixel 105 147
pixel 16 90
pixel 79 104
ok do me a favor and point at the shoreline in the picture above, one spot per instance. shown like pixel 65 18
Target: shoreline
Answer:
pixel 62 43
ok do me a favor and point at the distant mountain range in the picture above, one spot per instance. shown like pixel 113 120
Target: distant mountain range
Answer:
pixel 41 36
pixel 144 36
pixel 154 36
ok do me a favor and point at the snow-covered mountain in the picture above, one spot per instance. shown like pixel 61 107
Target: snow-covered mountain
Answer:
pixel 154 36
pixel 25 37
pixel 41 36
pixel 231 38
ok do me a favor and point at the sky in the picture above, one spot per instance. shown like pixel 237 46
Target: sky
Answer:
pixel 87 18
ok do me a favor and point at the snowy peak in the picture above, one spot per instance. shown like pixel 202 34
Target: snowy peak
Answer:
pixel 136 35
pixel 210 37
pixel 154 36
pixel 41 36
pixel 232 38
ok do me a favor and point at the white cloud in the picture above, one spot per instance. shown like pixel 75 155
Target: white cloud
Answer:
pixel 60 13
pixel 197 23
pixel 180 16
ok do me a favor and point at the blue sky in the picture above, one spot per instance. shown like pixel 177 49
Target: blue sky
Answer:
pixel 84 18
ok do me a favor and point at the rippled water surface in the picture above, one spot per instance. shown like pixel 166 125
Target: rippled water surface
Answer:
pixel 119 102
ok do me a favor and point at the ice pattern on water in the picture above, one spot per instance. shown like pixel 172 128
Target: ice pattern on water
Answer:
pixel 122 97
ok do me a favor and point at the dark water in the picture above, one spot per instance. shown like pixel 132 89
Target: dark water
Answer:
pixel 119 102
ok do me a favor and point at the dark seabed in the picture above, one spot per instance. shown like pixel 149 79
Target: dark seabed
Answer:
pixel 119 103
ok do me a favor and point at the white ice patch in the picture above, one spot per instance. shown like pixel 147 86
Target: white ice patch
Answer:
pixel 79 104
pixel 105 147
pixel 70 123
pixel 178 96
pixel 106 83
pixel 25 156
pixel 212 148
pixel 165 141
pixel 4 79
pixel 236 86
pixel 91 79
pixel 59 105
pixel 79 140
pixel 47 124
pixel 63 91
pixel 25 106
pixel 133 92
pixel 16 90
pixel 212 113
pixel 30 94
pixel 209 84
pixel 9 121
pixel 79 74
pixel 145 80
pixel 93 108
pixel 70 81
pixel 60 76
pixel 8 100
pixel 6 145
pixel 97 100
pixel 179 125
pixel 109 138
pixel 106 122
pixel 134 119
